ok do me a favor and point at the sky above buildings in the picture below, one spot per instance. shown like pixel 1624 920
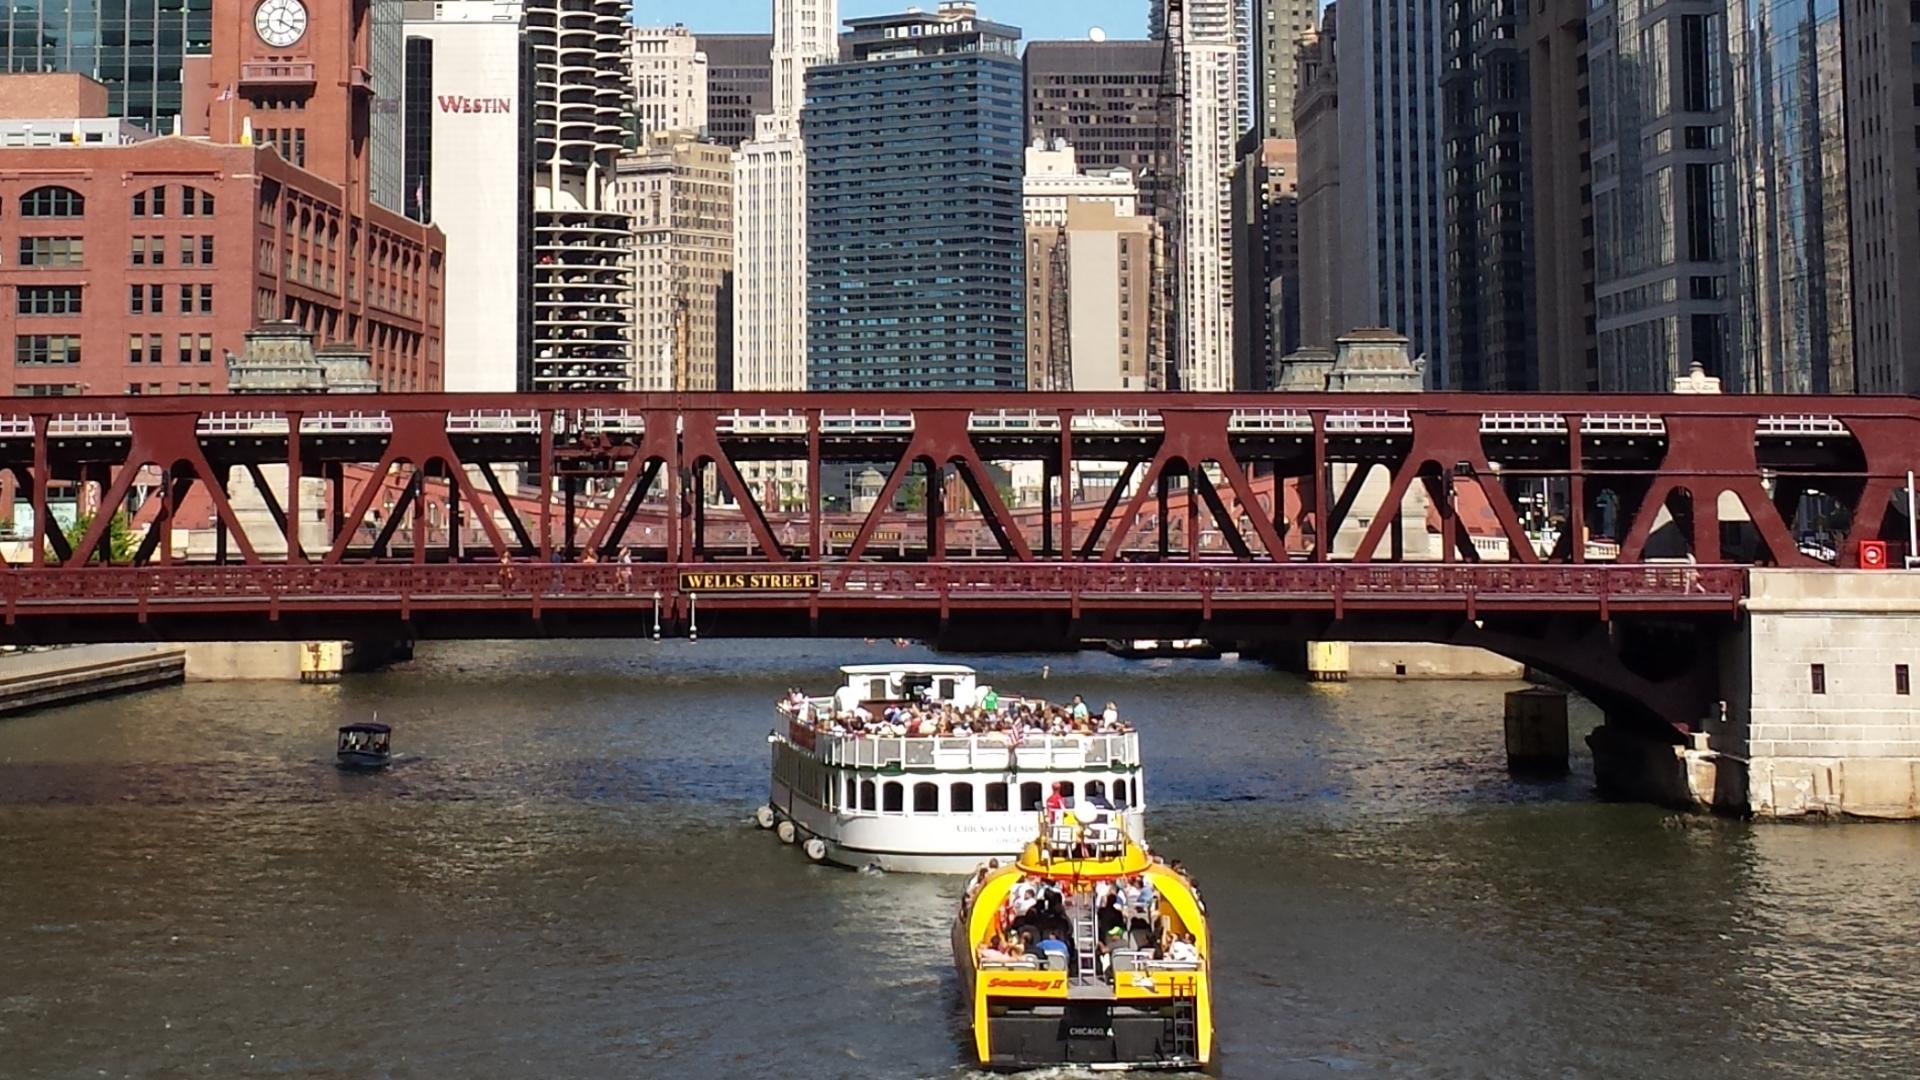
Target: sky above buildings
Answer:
pixel 1038 19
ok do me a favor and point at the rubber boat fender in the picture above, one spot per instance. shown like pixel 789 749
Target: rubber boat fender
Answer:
pixel 787 831
pixel 816 849
pixel 763 817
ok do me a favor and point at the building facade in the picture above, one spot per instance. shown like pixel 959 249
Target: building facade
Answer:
pixel 1277 29
pixel 1205 61
pixel 679 192
pixel 468 171
pixel 1105 99
pixel 137 51
pixel 770 208
pixel 670 88
pixel 136 267
pixel 1484 86
pixel 1392 174
pixel 583 254
pixel 1660 112
pixel 1266 259
pixel 739 84
pixel 1090 276
pixel 914 227
pixel 1883 181
pixel 1316 117
pixel 1560 154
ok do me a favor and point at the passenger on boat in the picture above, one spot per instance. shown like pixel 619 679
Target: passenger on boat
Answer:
pixel 1051 946
pixel 980 876
pixel 1181 950
pixel 999 950
pixel 1079 711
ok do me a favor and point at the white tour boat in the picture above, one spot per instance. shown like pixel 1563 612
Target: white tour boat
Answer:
pixel 931 804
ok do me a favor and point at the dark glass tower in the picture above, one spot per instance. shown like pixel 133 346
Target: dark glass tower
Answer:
pixel 134 47
pixel 914 230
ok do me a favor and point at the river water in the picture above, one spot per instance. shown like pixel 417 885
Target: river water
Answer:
pixel 561 880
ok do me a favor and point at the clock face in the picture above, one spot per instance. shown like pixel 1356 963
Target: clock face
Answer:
pixel 280 23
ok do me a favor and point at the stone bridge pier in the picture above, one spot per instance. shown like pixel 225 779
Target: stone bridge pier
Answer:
pixel 1816 714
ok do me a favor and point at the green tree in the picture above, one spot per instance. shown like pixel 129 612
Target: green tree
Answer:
pixel 119 546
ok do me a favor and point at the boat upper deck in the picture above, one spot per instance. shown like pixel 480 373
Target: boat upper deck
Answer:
pixel 950 753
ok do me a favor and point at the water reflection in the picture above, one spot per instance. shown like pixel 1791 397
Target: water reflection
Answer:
pixel 560 881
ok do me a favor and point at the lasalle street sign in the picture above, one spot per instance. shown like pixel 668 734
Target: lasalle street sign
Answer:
pixel 756 581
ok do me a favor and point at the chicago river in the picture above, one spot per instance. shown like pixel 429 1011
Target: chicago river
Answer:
pixel 560 878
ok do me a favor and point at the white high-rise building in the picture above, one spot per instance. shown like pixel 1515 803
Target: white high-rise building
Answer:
pixel 669 80
pixel 466 172
pixel 1393 175
pixel 1207 61
pixel 583 247
pixel 770 209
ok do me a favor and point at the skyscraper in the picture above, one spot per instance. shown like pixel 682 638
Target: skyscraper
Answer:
pixel 1883 181
pixel 1659 86
pixel 1316 115
pixel 739 84
pixel 679 191
pixel 770 209
pixel 1489 199
pixel 1560 152
pixel 1392 175
pixel 1277 26
pixel 1791 162
pixel 583 252
pixel 1107 100
pixel 1205 59
pixel 669 81
pixel 468 149
pixel 1090 275
pixel 914 233
pixel 136 50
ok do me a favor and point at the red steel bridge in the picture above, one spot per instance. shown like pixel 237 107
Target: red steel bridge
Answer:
pixel 1243 517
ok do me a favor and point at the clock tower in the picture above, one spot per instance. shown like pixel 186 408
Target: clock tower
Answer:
pixel 300 72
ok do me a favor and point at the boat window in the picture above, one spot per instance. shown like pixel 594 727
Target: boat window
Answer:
pixel 1066 790
pixel 891 798
pixel 926 798
pixel 877 690
pixel 996 798
pixel 945 689
pixel 1120 793
pixel 960 797
pixel 1096 790
pixel 1030 796
pixel 866 795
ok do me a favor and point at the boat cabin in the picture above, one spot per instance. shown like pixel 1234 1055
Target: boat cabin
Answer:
pixel 365 744
pixel 871 684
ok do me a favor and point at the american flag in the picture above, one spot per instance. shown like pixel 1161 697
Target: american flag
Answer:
pixel 226 93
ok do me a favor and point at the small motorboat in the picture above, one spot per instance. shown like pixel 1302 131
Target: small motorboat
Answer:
pixel 365 746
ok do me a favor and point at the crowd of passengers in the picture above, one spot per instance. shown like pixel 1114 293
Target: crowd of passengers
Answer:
pixel 1036 929
pixel 989 715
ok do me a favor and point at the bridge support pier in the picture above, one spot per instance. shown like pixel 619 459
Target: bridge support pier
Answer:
pixel 1536 730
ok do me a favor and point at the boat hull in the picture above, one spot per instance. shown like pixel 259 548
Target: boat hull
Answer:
pixel 362 759
pixel 1085 1034
pixel 916 844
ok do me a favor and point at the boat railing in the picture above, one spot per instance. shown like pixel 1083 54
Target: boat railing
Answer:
pixel 978 751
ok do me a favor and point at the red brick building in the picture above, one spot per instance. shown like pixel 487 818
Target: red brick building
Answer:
pixel 136 268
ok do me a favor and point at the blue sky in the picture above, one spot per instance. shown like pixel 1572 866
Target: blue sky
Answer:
pixel 1037 19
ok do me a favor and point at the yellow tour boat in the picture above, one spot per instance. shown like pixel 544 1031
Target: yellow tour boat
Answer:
pixel 1086 951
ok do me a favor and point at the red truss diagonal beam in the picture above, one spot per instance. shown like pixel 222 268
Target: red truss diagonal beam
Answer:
pixel 1891 446
pixel 1197 438
pixel 940 436
pixel 170 442
pixel 1443 441
pixel 658 452
pixel 419 438
pixel 1708 456
pixel 699 443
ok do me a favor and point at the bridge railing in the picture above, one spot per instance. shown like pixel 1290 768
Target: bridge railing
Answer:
pixel 373 584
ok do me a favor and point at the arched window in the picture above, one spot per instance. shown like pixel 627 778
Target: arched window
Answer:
pixel 960 797
pixel 151 203
pixel 867 801
pixel 195 202
pixel 1120 793
pixel 996 797
pixel 1066 790
pixel 892 798
pixel 52 201
pixel 926 798
pixel 1096 790
pixel 1030 796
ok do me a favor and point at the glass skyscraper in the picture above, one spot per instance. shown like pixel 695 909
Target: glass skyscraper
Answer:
pixel 134 47
pixel 914 230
